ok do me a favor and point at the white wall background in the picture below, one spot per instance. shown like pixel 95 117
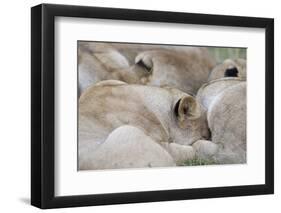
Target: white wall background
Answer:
pixel 15 105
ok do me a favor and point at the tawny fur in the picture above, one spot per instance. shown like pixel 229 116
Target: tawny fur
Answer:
pixel 110 105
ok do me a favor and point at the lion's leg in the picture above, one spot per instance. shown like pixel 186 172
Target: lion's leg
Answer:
pixel 128 147
pixel 179 152
pixel 205 149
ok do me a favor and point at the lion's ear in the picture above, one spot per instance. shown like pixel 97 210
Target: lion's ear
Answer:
pixel 187 108
pixel 231 72
pixel 144 60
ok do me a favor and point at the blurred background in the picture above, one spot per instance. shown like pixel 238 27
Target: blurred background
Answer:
pixel 131 50
pixel 222 53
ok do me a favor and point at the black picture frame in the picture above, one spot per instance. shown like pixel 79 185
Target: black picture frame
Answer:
pixel 43 102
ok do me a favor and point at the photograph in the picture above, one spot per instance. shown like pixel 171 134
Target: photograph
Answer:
pixel 160 105
pixel 132 105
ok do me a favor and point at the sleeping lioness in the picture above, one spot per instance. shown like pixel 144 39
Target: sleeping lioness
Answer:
pixel 185 68
pixel 122 125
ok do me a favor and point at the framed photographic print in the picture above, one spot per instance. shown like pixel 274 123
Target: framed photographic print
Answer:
pixel 140 106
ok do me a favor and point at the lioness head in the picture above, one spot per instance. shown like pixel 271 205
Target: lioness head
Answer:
pixel 191 121
pixel 184 70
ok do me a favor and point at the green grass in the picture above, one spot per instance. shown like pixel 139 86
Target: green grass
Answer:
pixel 197 162
pixel 221 54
